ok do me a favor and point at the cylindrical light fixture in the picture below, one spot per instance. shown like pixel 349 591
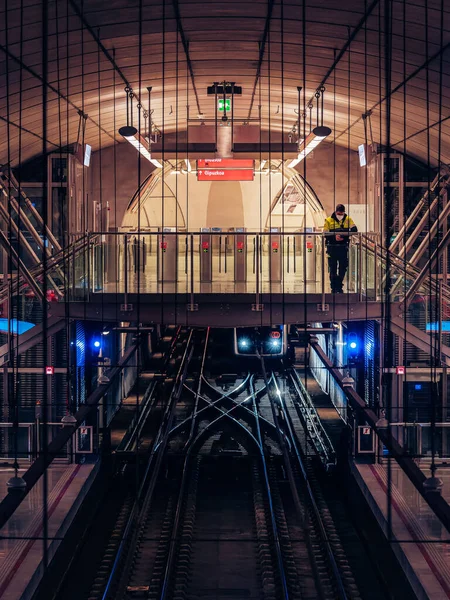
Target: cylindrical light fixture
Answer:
pixel 132 135
pixel 318 134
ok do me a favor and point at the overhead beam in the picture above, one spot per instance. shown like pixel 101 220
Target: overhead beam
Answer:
pixel 262 49
pixel 55 90
pixel 97 40
pixel 39 137
pixel 347 44
pixel 398 87
pixel 185 44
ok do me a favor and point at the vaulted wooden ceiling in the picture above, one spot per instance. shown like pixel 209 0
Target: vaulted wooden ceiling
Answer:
pixel 179 47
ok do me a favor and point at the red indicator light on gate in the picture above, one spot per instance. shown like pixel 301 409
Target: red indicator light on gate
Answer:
pixel 275 334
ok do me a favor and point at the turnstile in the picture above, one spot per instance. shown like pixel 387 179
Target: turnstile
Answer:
pixel 138 253
pixel 240 255
pixel 205 256
pixel 310 255
pixel 275 256
pixel 168 255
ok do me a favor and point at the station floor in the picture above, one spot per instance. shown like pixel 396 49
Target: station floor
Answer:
pixel 420 542
pixel 22 538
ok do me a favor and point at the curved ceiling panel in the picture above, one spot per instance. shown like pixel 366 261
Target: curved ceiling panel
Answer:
pixel 179 47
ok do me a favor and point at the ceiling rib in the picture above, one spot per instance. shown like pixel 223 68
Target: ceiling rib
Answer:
pixel 262 48
pixel 347 44
pixel 435 124
pixel 185 43
pixel 399 86
pixel 50 86
pixel 80 15
pixel 9 122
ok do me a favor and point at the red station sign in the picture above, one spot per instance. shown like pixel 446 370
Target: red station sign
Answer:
pixel 225 163
pixel 218 174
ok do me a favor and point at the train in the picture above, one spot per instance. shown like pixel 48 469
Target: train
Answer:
pixel 266 341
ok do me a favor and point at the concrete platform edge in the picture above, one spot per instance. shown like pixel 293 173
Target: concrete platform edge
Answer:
pixel 53 547
pixel 398 551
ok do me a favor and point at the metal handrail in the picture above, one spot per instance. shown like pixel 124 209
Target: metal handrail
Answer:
pixel 442 175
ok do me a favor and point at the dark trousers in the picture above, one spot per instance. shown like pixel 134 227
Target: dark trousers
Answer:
pixel 337 265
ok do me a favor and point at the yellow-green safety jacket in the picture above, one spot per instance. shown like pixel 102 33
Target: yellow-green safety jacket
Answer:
pixel 333 225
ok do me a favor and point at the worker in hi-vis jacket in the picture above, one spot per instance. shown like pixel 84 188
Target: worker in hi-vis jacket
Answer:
pixel 337 245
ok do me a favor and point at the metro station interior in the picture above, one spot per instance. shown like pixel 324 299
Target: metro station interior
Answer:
pixel 224 298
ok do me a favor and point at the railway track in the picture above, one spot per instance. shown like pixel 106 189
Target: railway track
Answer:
pixel 230 505
pixel 228 512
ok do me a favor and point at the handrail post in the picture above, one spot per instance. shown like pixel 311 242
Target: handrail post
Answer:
pixel 125 267
pixel 375 271
pixel 360 268
pixel 257 258
pixel 192 272
pixel 323 269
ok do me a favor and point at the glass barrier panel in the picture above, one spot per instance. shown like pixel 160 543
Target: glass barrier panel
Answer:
pixel 215 262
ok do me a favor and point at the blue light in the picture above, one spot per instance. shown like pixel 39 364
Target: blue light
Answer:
pixel 418 386
pixel 243 343
pixel 96 344
pixel 275 343
pixel 353 345
pixel 17 327
pixel 445 326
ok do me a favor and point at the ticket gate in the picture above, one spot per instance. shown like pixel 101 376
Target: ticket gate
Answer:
pixel 275 255
pixel 138 253
pixel 112 256
pixel 206 252
pixel 310 255
pixel 240 255
pixel 168 255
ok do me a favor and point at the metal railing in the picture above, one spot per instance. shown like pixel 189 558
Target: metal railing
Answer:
pixel 217 262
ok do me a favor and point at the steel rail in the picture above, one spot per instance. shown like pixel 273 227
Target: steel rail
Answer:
pixel 194 442
pixel 184 480
pixel 146 406
pixel 241 404
pixel 210 404
pixel 323 534
pixel 138 511
pixel 197 393
pixel 269 495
